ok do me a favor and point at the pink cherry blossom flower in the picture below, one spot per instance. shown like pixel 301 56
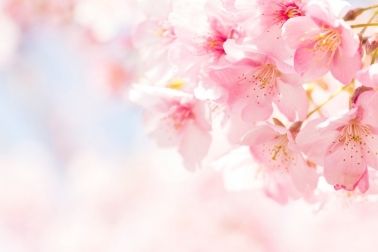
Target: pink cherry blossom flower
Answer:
pixel 252 85
pixel 345 147
pixel 264 22
pixel 275 149
pixel 323 42
pixel 219 34
pixel 176 119
pixel 154 37
pixel 201 43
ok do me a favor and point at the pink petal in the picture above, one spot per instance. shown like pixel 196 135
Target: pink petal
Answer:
pixel 224 77
pixel 279 187
pixel 344 68
pixel 293 108
pixel 229 77
pixel 368 103
pixel 194 146
pixel 363 184
pixel 267 42
pixel 314 141
pixel 311 63
pixel 320 11
pixel 304 178
pixel 349 41
pixel 277 190
pixel 298 29
pixel 344 167
pixel 371 153
pixel 146 33
pixel 257 112
pixel 259 135
pixel 237 127
pixel 163 131
pixel 202 116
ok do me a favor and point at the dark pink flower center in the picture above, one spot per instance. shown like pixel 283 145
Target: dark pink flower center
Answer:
pixel 181 115
pixel 165 31
pixel 291 10
pixel 286 11
pixel 215 43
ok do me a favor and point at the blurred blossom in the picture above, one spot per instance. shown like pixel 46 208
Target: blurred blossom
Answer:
pixel 10 38
pixel 105 19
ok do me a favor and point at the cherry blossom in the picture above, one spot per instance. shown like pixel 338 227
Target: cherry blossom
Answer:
pixel 322 42
pixel 202 43
pixel 153 38
pixel 176 119
pixel 346 147
pixel 275 149
pixel 253 84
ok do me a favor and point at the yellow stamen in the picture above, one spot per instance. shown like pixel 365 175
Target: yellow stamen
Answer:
pixel 293 12
pixel 213 43
pixel 328 41
pixel 266 75
pixel 354 132
pixel 280 147
pixel 176 84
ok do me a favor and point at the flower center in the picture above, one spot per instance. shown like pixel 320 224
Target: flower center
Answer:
pixel 266 75
pixel 165 31
pixel 291 10
pixel 328 41
pixel 215 43
pixel 260 84
pixel 280 148
pixel 354 133
pixel 285 11
pixel 176 84
pixel 181 114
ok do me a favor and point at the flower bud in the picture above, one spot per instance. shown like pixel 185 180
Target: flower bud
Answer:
pixel 353 14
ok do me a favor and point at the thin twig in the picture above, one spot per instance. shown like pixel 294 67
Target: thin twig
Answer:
pixel 369 22
pixel 374 56
pixel 364 25
pixel 328 100
pixel 370 7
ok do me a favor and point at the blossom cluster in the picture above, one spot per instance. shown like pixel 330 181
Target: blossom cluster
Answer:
pixel 295 81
